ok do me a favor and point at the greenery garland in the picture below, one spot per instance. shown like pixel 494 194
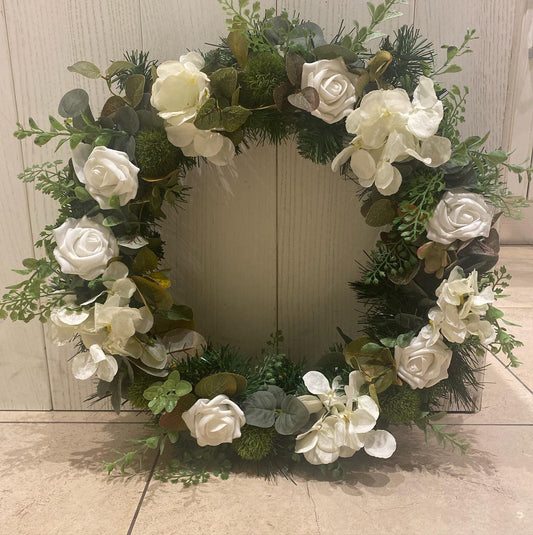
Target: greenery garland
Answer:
pixel 429 284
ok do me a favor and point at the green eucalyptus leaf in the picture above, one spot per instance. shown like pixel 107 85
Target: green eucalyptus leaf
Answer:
pixel 209 116
pixel 127 119
pixel 223 82
pixel 118 66
pixel 220 383
pixel 260 409
pixel 293 417
pixel 111 105
pixel 333 52
pixel 145 261
pixel 132 242
pixel 278 394
pixel 134 89
pixel 380 213
pixel 73 103
pixel 233 117
pixel 294 64
pixel 85 68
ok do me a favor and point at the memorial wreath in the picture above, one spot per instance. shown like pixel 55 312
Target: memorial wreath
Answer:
pixel 379 117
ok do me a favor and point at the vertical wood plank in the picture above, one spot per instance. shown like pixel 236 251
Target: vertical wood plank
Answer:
pixel 222 247
pixel 321 231
pixel 486 71
pixel 45 37
pixel 24 378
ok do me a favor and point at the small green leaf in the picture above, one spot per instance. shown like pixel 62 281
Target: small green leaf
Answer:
pixel 209 116
pixel 134 89
pixel 112 104
pixel 333 52
pixel 132 242
pixel 145 261
pixel 380 213
pixel 114 201
pixel 233 117
pixel 224 82
pixel 113 220
pixel 238 44
pixel 82 194
pixel 85 68
pixel 118 66
pixel 127 119
pixel 452 68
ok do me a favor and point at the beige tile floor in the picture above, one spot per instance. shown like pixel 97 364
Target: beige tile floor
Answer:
pixel 51 482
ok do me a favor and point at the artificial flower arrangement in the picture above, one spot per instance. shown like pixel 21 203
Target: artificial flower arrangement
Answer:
pixel 379 118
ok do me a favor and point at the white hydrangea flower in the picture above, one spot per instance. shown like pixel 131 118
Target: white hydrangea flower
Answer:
pixel 180 89
pixel 389 128
pixel 460 307
pixel 215 147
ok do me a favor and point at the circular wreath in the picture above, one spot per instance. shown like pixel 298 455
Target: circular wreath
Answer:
pixel 377 117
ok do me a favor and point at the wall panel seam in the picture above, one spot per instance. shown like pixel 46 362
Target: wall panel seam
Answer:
pixel 28 211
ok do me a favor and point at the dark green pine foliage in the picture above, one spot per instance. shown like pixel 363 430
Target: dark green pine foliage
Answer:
pixel 318 141
pixel 143 66
pixel 463 377
pixel 412 56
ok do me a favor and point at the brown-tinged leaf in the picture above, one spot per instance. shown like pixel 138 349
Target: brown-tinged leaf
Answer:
pixel 381 213
pixel 294 64
pixel 173 420
pixel 238 44
pixel 111 105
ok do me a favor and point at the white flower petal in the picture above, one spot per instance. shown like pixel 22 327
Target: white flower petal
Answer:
pixel 83 366
pixel 380 444
pixel 316 383
pixel 363 165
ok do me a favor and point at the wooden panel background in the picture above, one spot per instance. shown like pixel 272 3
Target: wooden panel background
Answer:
pixel 267 244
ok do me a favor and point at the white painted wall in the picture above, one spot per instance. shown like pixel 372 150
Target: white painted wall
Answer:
pixel 269 246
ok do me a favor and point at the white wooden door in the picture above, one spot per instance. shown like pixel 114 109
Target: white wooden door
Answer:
pixel 268 246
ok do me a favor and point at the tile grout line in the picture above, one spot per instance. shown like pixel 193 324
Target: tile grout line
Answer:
pixel 73 422
pixel 513 374
pixel 141 499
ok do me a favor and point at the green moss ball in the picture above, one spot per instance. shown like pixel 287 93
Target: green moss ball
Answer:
pixel 400 404
pixel 263 73
pixel 135 392
pixel 155 155
pixel 255 443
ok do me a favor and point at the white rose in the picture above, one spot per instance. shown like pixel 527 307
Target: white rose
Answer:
pixel 422 364
pixel 459 216
pixel 214 421
pixel 84 247
pixel 106 173
pixel 218 149
pixel 335 86
pixel 180 89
